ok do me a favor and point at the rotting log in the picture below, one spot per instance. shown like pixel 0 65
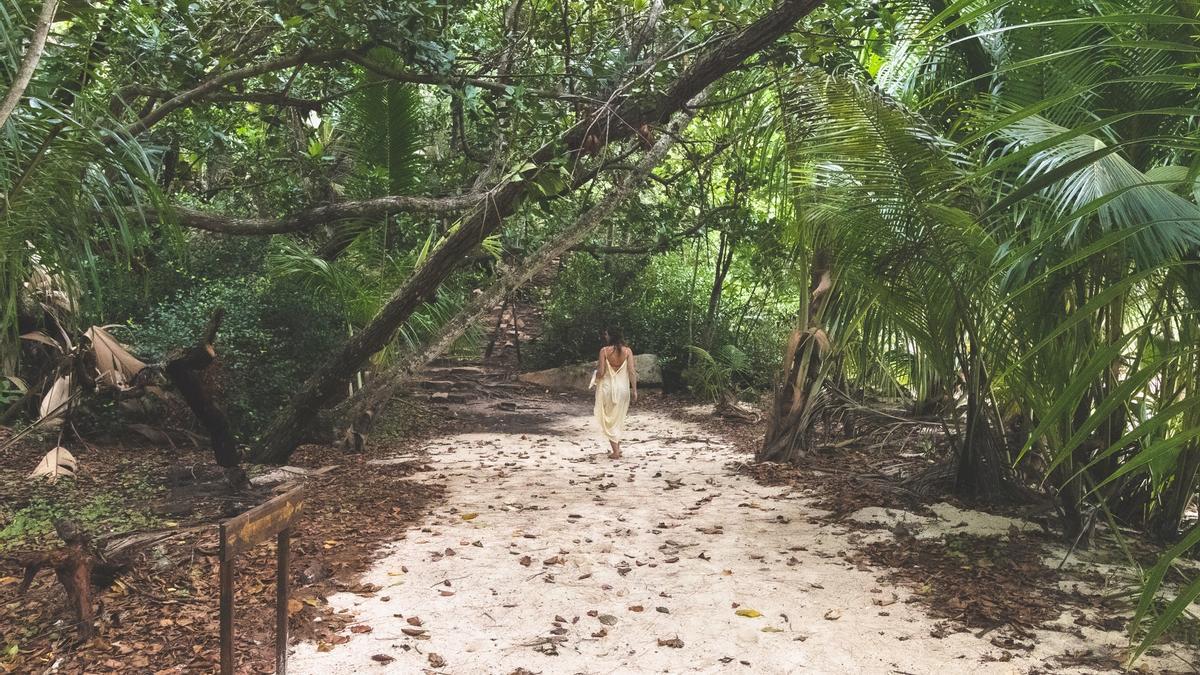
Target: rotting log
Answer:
pixel 185 368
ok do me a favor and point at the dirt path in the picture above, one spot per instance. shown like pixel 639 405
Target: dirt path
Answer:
pixel 545 556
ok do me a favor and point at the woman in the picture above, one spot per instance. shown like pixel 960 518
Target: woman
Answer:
pixel 616 382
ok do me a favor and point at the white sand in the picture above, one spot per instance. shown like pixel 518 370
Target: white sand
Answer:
pixel 664 500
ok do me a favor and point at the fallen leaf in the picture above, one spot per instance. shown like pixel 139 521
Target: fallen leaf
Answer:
pixel 470 516
pixel 436 660
pixel 884 602
pixel 748 613
pixel 672 642
pixel 383 658
pixel 607 619
pixel 833 615
pixel 56 463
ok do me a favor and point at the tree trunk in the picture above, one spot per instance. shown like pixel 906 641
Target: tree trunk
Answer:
pixel 367 405
pixel 184 368
pixel 607 126
pixel 33 54
pixel 724 263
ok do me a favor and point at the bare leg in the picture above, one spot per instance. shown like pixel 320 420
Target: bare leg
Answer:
pixel 616 450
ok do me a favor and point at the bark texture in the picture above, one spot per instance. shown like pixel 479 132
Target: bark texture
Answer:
pixel 33 54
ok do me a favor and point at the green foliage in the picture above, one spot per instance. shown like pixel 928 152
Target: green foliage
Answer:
pixel 651 308
pixel 32 525
pixel 712 376
pixel 272 334
pixel 655 303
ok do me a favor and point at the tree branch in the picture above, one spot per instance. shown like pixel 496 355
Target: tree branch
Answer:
pixel 216 82
pixel 33 54
pixel 459 81
pixel 265 97
pixel 320 215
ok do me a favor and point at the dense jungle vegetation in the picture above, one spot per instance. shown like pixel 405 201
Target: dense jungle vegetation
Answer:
pixel 982 213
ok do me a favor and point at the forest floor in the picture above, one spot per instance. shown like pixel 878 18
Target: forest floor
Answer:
pixel 494 536
pixel 544 556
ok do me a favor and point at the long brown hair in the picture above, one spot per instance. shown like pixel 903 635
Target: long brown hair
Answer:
pixel 615 339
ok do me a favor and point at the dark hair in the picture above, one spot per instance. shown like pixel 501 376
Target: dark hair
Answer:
pixel 615 338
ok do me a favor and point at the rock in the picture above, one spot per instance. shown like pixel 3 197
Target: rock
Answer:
pixel 576 377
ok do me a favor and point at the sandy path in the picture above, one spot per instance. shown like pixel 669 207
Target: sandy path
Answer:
pixel 667 529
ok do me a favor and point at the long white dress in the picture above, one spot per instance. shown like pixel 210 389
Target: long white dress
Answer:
pixel 612 400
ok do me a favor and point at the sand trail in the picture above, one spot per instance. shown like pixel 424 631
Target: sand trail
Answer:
pixel 545 556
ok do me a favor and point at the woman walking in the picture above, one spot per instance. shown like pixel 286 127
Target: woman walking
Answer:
pixel 616 386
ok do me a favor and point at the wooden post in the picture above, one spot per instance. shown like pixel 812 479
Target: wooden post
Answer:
pixel 281 600
pixel 226 613
pixel 238 535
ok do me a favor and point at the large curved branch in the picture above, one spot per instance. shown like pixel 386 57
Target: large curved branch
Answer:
pixel 215 83
pixel 304 220
pixel 285 430
pixel 33 54
pixel 458 81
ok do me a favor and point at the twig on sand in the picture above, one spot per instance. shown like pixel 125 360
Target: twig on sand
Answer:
pixel 443 581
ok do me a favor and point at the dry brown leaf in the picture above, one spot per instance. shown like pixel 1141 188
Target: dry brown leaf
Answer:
pixel 436 660
pixel 115 366
pixel 57 462
pixel 39 336
pixel 671 642
pixel 54 403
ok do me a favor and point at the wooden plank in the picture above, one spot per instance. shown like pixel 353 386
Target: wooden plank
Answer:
pixel 281 601
pixel 240 533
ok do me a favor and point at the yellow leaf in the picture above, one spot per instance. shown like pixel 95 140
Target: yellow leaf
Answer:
pixel 8 580
pixel 749 613
pixel 772 629
pixel 310 601
pixel 470 516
